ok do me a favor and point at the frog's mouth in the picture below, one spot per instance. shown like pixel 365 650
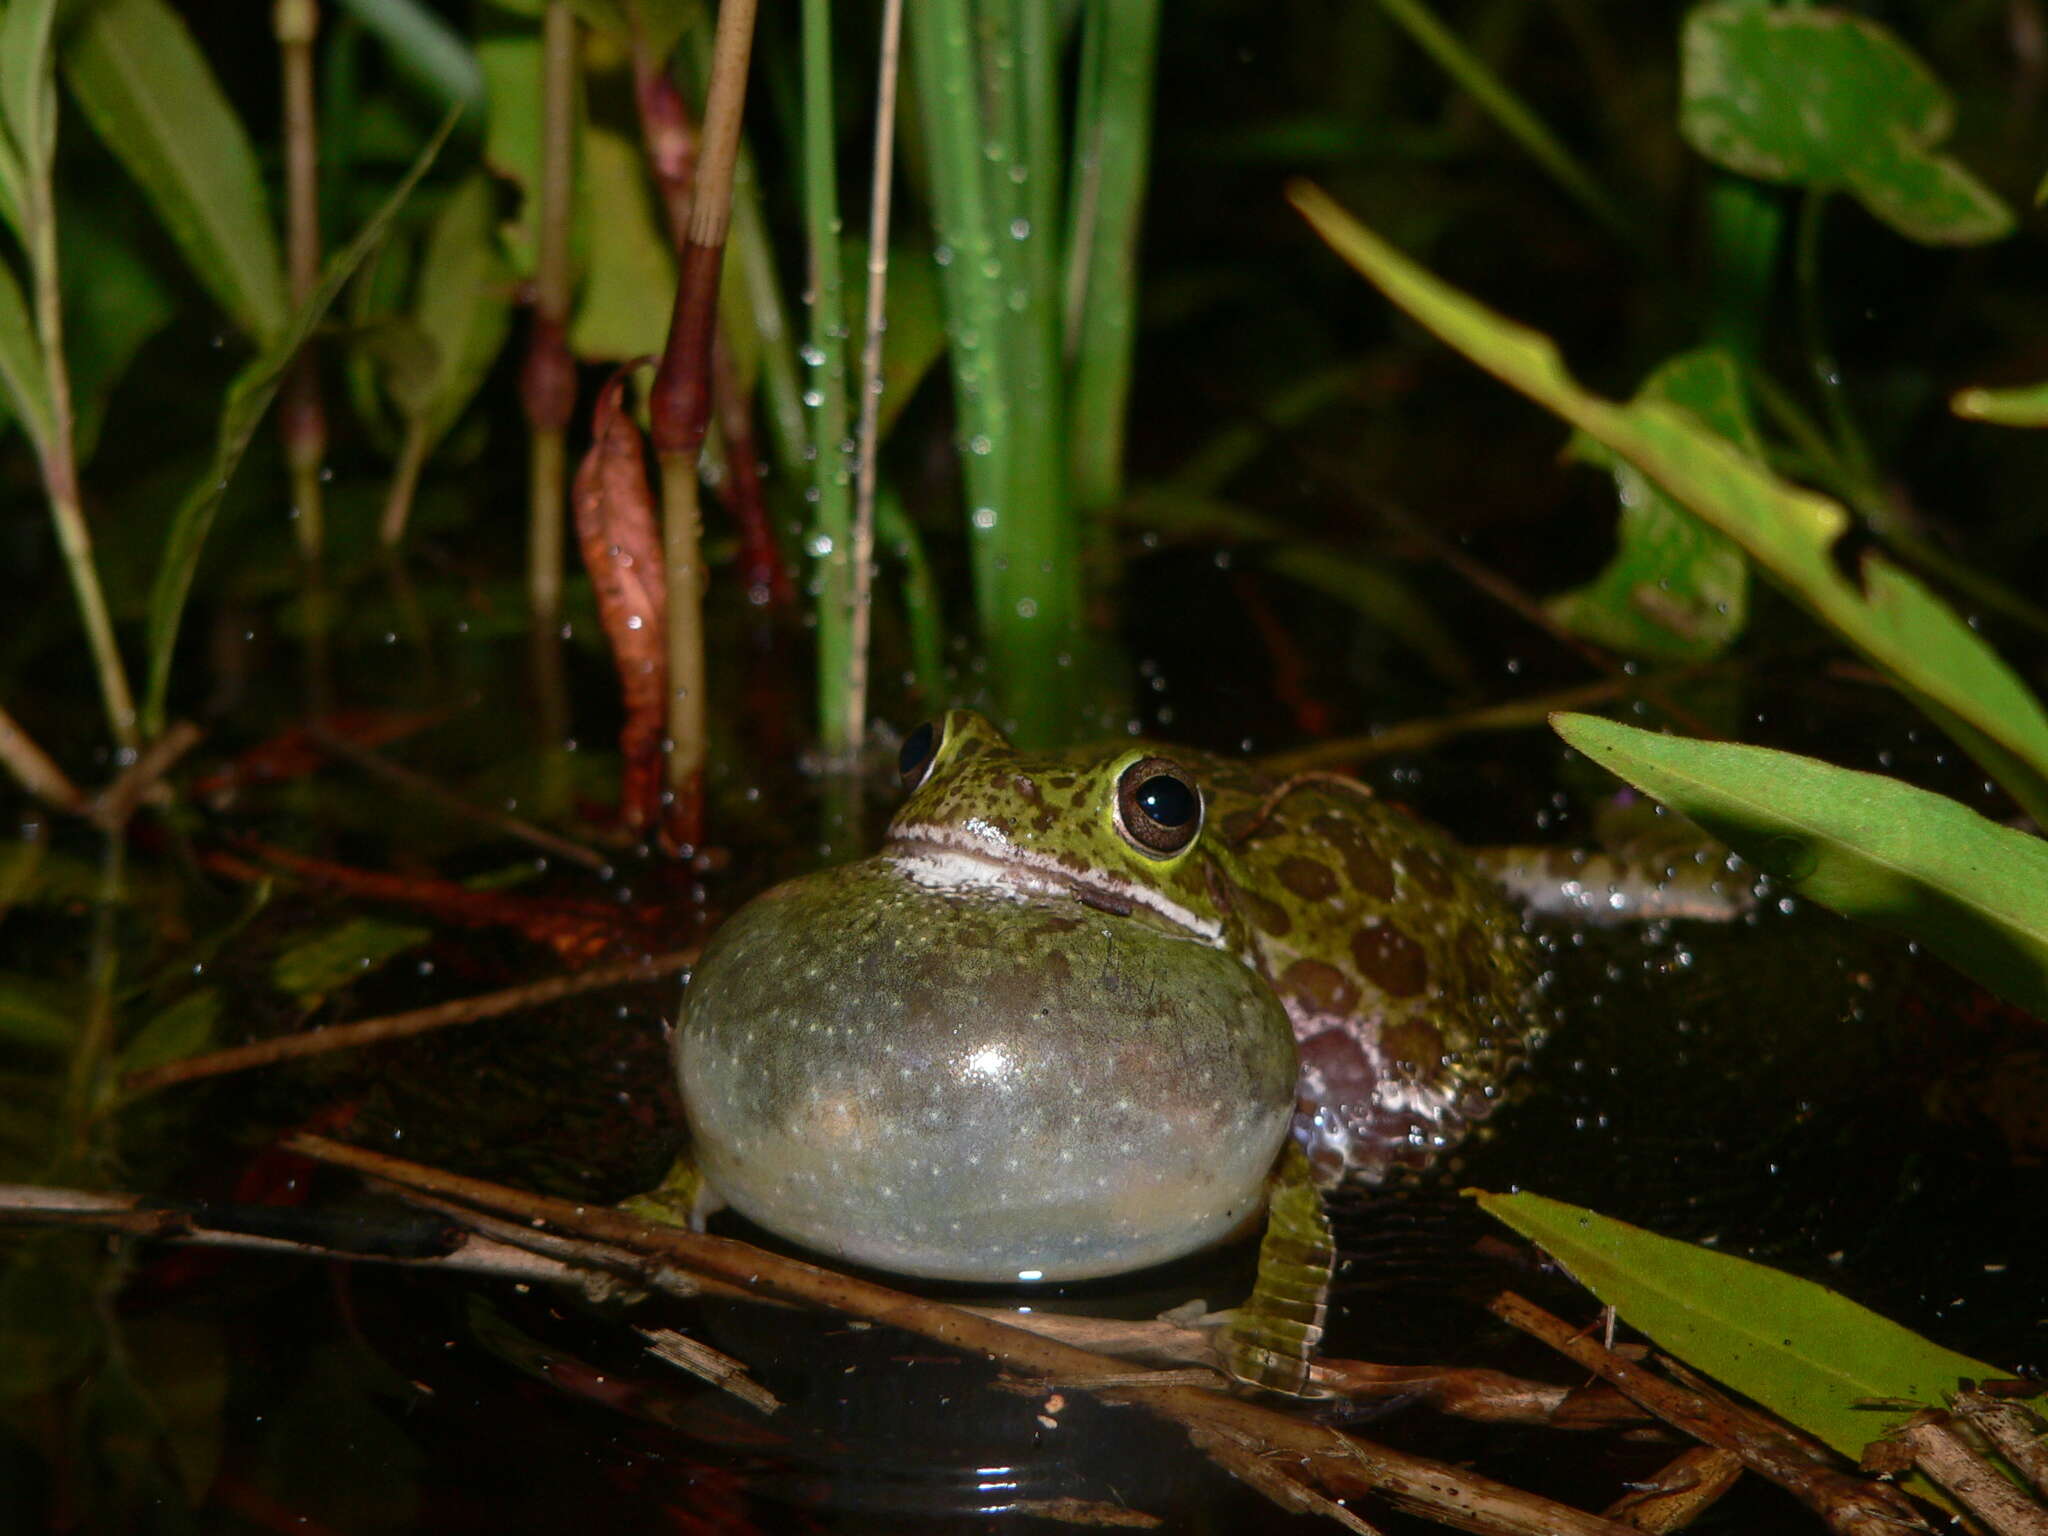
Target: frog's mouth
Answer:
pixel 941 859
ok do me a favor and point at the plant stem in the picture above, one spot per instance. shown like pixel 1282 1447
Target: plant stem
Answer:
pixel 870 450
pixel 548 380
pixel 840 679
pixel 1820 358
pixel 302 414
pixel 60 467
pixel 680 412
pixel 35 769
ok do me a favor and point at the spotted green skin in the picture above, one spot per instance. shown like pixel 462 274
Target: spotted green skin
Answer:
pixel 1011 1045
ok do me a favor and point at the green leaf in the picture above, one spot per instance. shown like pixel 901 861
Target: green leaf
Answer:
pixel 463 308
pixel 1807 1353
pixel 27 88
pixel 114 301
pixel 2024 405
pixel 1789 532
pixel 152 98
pixel 21 363
pixel 629 271
pixel 1869 847
pixel 1825 99
pixel 184 1029
pixel 1676 588
pixel 248 398
pixel 509 53
pixel 38 1014
pixel 343 954
pixel 178 1372
pixel 424 47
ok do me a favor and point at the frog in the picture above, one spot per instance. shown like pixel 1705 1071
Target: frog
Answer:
pixel 1085 1012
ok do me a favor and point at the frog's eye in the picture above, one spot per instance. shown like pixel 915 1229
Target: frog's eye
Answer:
pixel 1158 807
pixel 914 762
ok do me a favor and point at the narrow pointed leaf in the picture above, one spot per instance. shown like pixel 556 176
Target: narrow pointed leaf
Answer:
pixel 27 86
pixel 463 308
pixel 1789 532
pixel 424 47
pixel 151 96
pixel 248 399
pixel 2024 405
pixel 1805 1352
pixel 1869 847
pixel 21 362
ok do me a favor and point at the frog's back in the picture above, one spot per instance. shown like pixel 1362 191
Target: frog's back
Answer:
pixel 1404 968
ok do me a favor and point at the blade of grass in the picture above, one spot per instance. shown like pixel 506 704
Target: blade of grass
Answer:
pixel 247 400
pixel 424 47
pixel 1507 109
pixel 1112 147
pixel 824 395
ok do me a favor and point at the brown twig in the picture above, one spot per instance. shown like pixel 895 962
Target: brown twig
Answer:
pixel 1340 1466
pixel 36 770
pixel 1683 1490
pixel 1943 1454
pixel 402 1026
pixel 416 783
pixel 2011 1428
pixel 1852 1505
pixel 708 1364
pixel 867 466
pixel 112 806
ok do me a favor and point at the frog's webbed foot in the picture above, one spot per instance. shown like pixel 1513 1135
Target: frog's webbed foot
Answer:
pixel 1606 888
pixel 683 1198
pixel 1272 1339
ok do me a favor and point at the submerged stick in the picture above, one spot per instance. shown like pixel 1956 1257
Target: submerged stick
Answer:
pixel 402 1026
pixel 1340 1466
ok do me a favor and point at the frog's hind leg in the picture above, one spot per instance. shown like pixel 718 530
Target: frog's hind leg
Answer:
pixel 1604 888
pixel 1271 1341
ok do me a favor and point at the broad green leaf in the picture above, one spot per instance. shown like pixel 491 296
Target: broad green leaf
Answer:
pixel 2024 405
pixel 424 47
pixel 184 1029
pixel 248 398
pixel 629 269
pixel 509 53
pixel 114 301
pixel 21 362
pixel 1825 99
pixel 1869 847
pixel 463 309
pixel 1789 532
pixel 1807 1353
pixel 152 98
pixel 345 953
pixel 1676 588
pixel 179 1370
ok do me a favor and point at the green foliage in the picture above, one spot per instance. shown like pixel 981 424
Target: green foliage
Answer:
pixel 628 281
pixel 462 311
pixel 154 101
pixel 2024 405
pixel 1791 533
pixel 425 47
pixel 248 399
pixel 1807 1353
pixel 344 953
pixel 184 1029
pixel 1677 589
pixel 1826 99
pixel 1869 847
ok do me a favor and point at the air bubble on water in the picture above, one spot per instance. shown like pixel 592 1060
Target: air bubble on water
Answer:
pixel 980 444
pixel 821 545
pixel 984 518
pixel 634 621
pixel 814 398
pixel 813 354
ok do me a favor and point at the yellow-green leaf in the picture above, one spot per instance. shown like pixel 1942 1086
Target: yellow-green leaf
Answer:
pixel 1789 532
pixel 1869 847
pixel 343 954
pixel 2024 405
pixel 1805 1352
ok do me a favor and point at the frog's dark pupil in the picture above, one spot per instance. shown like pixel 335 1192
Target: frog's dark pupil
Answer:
pixel 1167 800
pixel 917 751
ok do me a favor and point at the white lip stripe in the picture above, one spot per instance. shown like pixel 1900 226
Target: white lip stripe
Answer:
pixel 947 859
